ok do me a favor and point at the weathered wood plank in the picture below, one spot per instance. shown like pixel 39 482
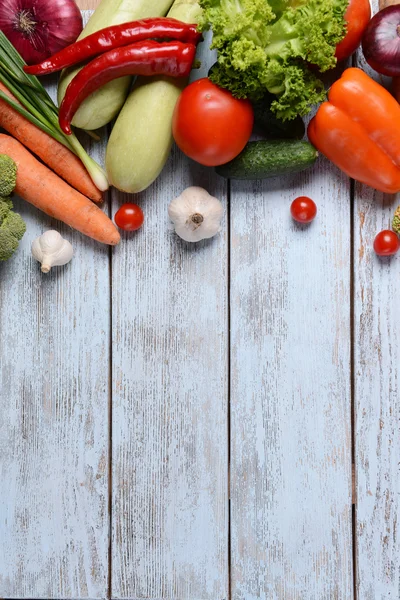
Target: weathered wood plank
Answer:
pixel 377 397
pixel 290 390
pixel 170 379
pixel 54 389
pixel 377 394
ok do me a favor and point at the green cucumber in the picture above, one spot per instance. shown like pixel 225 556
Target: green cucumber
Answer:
pixel 269 158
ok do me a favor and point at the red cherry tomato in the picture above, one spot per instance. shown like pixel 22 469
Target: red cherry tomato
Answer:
pixel 303 209
pixel 129 217
pixel 357 16
pixel 386 243
pixel 210 125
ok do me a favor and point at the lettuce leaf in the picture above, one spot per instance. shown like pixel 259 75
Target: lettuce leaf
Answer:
pixel 269 46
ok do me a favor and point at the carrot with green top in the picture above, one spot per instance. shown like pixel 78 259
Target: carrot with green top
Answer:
pixel 39 186
pixel 53 153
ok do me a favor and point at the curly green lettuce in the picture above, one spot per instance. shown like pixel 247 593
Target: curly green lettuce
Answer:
pixel 269 46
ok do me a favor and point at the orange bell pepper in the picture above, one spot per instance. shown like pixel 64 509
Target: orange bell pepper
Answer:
pixel 358 129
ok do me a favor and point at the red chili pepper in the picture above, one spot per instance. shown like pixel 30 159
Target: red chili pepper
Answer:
pixel 173 59
pixel 115 37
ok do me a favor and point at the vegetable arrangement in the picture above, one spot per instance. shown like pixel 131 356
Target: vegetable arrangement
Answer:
pixel 104 105
pixel 29 98
pixel 268 46
pixel 172 59
pixel 39 186
pixel 143 127
pixel 269 58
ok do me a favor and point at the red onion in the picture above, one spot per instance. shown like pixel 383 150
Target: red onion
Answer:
pixel 381 41
pixel 39 28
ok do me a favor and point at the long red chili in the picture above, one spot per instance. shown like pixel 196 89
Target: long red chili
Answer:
pixel 173 59
pixel 115 37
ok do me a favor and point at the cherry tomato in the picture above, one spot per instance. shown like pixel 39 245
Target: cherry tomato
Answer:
pixel 357 16
pixel 210 125
pixel 303 209
pixel 386 243
pixel 129 217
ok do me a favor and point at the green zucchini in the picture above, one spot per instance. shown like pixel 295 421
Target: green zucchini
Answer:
pixel 269 158
pixel 103 105
pixel 141 139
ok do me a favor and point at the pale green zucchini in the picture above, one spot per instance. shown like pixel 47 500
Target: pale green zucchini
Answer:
pixel 141 138
pixel 104 104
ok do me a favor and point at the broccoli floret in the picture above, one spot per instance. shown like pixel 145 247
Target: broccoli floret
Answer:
pixel 396 221
pixel 8 175
pixel 14 224
pixel 5 207
pixel 12 228
pixel 8 244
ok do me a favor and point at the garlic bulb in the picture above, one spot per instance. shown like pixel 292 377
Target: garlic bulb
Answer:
pixel 196 214
pixel 51 250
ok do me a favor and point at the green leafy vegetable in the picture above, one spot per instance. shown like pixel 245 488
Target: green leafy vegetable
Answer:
pixel 268 46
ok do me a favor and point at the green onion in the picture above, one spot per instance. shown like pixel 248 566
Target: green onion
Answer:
pixel 37 106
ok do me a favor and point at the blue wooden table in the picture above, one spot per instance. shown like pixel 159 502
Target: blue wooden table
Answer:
pixel 208 421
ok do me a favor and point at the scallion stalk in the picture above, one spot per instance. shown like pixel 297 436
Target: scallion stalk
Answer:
pixel 35 104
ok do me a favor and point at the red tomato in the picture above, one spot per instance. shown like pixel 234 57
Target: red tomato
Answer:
pixel 210 125
pixel 129 217
pixel 303 209
pixel 357 15
pixel 386 243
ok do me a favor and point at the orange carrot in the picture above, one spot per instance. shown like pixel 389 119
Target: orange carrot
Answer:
pixel 51 194
pixel 55 155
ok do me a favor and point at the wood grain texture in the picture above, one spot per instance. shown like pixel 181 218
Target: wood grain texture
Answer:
pixel 54 394
pixel 377 398
pixel 170 387
pixel 290 390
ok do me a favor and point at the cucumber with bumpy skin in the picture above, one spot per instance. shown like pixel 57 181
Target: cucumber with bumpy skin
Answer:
pixel 269 158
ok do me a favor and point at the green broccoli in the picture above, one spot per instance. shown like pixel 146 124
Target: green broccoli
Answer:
pixel 396 221
pixel 12 227
pixel 5 206
pixel 8 175
pixel 14 224
pixel 8 244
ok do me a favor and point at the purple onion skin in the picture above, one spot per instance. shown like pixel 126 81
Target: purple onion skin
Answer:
pixel 381 41
pixel 39 28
